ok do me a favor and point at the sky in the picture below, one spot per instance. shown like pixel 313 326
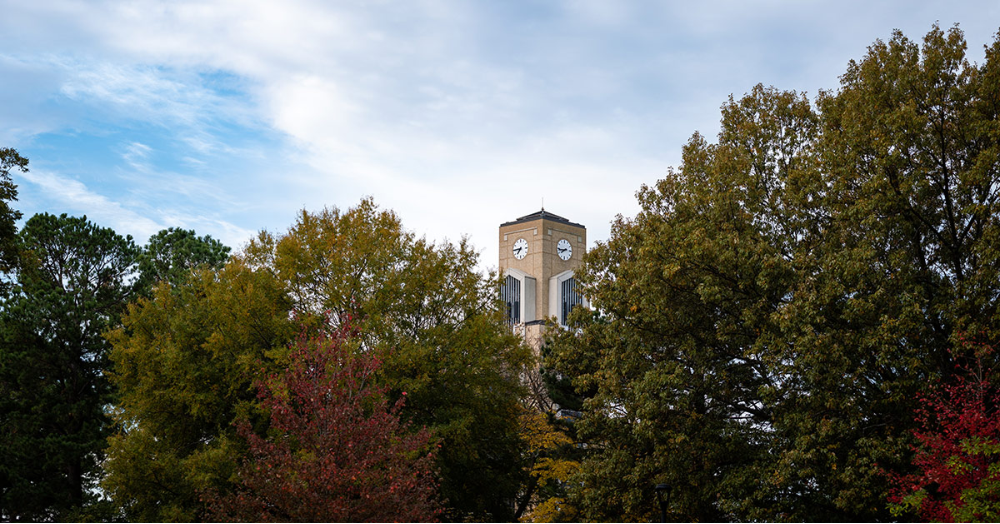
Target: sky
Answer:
pixel 229 117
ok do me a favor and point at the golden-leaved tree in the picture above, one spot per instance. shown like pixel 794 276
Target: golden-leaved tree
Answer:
pixel 186 359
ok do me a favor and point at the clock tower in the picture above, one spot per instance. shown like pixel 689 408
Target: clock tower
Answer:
pixel 538 255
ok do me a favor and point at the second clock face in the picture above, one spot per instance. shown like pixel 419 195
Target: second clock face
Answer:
pixel 520 248
pixel 565 249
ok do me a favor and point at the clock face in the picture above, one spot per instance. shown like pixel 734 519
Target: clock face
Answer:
pixel 564 249
pixel 520 248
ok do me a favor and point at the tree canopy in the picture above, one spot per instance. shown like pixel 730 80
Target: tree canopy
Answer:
pixel 9 160
pixel 335 451
pixel 173 253
pixel 763 325
pixel 71 286
pixel 433 321
pixel 186 359
pixel 959 453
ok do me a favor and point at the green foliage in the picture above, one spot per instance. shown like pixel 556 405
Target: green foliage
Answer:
pixel 9 159
pixel 73 284
pixel 172 254
pixel 680 352
pixel 185 359
pixel 434 322
pixel 184 362
pixel 763 325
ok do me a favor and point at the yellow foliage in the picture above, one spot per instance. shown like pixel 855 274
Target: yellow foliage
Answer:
pixel 553 510
pixel 539 434
pixel 559 469
pixel 543 438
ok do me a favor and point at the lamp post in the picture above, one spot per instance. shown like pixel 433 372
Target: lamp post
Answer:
pixel 663 495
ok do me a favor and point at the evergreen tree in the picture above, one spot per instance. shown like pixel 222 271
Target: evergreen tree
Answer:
pixel 172 254
pixel 72 285
pixel 9 159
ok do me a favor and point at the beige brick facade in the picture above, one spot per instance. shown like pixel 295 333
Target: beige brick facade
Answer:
pixel 542 231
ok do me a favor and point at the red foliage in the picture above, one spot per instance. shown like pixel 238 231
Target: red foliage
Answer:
pixel 959 442
pixel 336 451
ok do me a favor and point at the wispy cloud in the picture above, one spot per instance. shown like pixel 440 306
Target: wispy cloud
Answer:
pixel 179 99
pixel 254 108
pixel 136 155
pixel 75 197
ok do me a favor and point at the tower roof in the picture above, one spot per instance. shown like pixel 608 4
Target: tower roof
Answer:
pixel 542 215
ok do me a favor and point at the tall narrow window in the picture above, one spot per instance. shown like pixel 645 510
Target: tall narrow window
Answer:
pixel 570 299
pixel 510 294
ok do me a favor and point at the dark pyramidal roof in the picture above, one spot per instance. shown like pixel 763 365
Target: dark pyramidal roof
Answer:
pixel 539 215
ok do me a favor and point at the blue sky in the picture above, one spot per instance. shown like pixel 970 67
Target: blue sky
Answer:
pixel 228 117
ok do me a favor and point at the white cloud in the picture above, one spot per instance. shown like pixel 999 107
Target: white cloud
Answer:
pixel 135 156
pixel 459 116
pixel 75 197
pixel 164 96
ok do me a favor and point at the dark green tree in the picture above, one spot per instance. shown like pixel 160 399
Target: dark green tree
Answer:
pixel 172 254
pixel 9 159
pixel 763 326
pixel 906 262
pixel 72 285
pixel 678 348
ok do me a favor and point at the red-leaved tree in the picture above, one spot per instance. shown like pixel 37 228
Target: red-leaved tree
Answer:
pixel 335 451
pixel 959 452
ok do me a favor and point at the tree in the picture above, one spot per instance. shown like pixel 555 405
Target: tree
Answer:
pixel 959 447
pixel 184 361
pixel 678 351
pixel 335 451
pixel 906 264
pixel 434 322
pixel 550 454
pixel 72 285
pixel 780 300
pixel 172 254
pixel 9 159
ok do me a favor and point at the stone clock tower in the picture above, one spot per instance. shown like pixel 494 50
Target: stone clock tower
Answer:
pixel 538 255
